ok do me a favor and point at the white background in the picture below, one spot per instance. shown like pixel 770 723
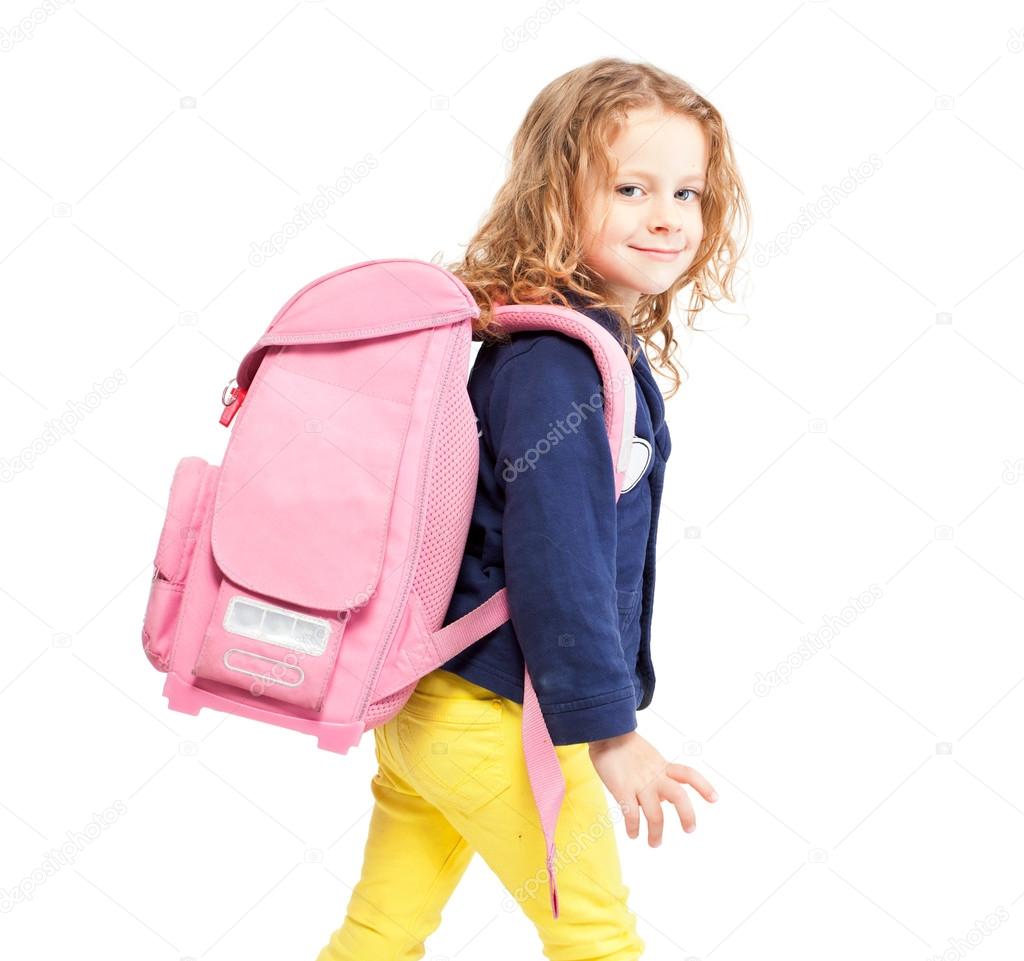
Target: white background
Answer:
pixel 850 429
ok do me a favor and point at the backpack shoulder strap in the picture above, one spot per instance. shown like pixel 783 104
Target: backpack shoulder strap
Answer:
pixel 546 779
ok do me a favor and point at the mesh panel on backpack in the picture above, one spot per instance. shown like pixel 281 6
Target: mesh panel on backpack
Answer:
pixel 451 495
pixel 383 710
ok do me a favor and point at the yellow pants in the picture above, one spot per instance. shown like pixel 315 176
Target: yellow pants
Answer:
pixel 452 782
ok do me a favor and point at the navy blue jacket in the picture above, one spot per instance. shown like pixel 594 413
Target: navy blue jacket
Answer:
pixel 579 568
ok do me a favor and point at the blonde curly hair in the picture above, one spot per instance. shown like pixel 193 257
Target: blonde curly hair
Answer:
pixel 530 242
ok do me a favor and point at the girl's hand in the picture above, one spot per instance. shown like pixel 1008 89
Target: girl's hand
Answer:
pixel 639 777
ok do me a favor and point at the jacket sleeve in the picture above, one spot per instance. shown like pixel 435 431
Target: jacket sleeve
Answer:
pixel 559 531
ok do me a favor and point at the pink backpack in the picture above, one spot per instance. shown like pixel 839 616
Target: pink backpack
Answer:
pixel 304 581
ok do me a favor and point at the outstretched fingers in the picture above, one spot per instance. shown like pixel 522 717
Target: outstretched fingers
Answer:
pixel 664 784
pixel 687 775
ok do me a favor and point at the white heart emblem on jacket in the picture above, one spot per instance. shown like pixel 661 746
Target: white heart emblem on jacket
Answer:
pixel 639 457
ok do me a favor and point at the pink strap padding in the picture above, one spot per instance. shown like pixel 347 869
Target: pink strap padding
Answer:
pixel 547 782
pixel 616 373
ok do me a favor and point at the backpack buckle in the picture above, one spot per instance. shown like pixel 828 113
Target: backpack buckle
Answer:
pixel 231 398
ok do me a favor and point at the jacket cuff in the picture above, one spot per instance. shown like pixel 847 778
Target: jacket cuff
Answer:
pixel 580 725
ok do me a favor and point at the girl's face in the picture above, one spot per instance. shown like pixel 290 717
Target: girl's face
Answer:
pixel 653 204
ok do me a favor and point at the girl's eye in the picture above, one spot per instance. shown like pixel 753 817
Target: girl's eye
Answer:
pixel 684 190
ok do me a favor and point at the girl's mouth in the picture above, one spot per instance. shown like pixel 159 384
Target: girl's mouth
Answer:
pixel 659 253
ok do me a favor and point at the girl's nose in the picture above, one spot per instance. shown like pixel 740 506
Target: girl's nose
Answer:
pixel 666 214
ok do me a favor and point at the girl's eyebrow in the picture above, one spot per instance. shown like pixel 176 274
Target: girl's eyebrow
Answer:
pixel 650 176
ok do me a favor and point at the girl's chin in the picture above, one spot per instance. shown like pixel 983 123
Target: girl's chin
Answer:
pixel 651 284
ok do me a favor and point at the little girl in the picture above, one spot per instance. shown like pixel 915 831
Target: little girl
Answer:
pixel 622 191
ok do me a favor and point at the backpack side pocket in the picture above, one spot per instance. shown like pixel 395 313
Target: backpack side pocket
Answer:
pixel 189 500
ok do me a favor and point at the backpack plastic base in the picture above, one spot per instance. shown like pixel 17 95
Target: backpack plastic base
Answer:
pixel 189 699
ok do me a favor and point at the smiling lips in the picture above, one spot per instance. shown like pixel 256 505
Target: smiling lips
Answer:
pixel 659 253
